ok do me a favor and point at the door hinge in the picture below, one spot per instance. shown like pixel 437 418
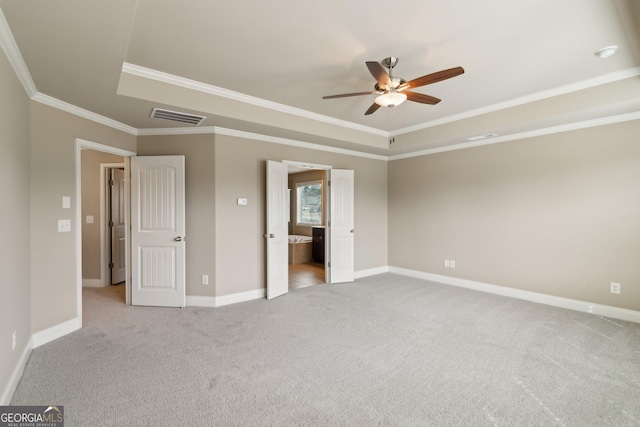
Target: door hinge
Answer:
pixel 111 224
pixel 329 183
pixel 110 265
pixel 329 223
pixel 111 182
pixel 329 263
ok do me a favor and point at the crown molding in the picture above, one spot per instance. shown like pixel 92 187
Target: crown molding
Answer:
pixel 294 143
pixel 529 134
pixel 8 44
pixel 81 112
pixel 149 73
pixel 562 90
pixel 177 131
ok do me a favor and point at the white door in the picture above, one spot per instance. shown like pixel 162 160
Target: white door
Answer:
pixel 116 224
pixel 342 226
pixel 277 230
pixel 157 231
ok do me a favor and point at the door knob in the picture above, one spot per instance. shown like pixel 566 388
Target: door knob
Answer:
pixel 352 230
pixel 272 236
pixel 178 239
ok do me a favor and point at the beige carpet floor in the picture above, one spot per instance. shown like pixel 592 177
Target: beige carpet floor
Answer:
pixel 383 351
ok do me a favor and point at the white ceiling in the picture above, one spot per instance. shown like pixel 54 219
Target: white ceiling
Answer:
pixel 529 64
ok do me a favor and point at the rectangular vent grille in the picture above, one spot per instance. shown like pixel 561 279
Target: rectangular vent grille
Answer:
pixel 192 119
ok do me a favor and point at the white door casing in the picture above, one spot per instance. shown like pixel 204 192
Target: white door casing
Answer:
pixel 342 226
pixel 277 233
pixel 158 231
pixel 117 225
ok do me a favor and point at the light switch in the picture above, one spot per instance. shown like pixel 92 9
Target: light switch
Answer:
pixel 66 202
pixel 242 201
pixel 89 219
pixel 64 225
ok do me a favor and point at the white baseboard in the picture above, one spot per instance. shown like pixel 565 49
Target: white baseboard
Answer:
pixel 240 297
pixel 199 301
pixel 92 283
pixel 370 272
pixel 47 335
pixel 571 304
pixel 16 375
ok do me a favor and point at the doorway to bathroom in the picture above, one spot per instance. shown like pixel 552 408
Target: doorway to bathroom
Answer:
pixel 308 215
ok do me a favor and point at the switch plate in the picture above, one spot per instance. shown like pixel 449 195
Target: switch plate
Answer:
pixel 89 219
pixel 446 263
pixel 205 279
pixel 452 263
pixel 614 288
pixel 242 201
pixel 64 225
pixel 66 202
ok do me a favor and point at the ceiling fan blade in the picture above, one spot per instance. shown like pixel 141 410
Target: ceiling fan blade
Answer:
pixel 374 107
pixel 344 95
pixel 433 78
pixel 378 73
pixel 422 98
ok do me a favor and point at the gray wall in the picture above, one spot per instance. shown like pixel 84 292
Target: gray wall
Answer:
pixel 558 214
pixel 240 172
pixel 53 258
pixel 15 307
pixel 91 161
pixel 199 201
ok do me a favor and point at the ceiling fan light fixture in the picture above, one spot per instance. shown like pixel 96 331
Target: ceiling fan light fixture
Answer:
pixel 391 99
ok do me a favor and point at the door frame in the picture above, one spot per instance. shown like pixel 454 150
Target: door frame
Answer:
pixel 105 232
pixel 327 229
pixel 81 144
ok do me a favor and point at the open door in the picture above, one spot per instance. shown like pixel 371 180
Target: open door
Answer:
pixel 158 231
pixel 341 253
pixel 277 230
pixel 117 225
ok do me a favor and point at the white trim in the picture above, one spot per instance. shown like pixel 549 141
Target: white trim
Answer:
pixel 240 297
pixel 93 283
pixel 562 90
pixel 177 131
pixel 360 274
pixel 172 79
pixel 61 329
pixel 522 135
pixel 16 375
pixel 294 143
pixel 571 304
pixel 199 301
pixel 11 50
pixel 81 112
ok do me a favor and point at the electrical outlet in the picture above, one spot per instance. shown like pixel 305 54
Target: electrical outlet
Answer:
pixel 205 279
pixel 452 263
pixel 614 288
pixel 446 263
pixel 13 343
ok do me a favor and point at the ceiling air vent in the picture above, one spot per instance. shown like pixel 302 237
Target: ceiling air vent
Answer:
pixel 192 119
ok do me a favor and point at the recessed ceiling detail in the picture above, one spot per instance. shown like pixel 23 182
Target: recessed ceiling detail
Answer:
pixel 176 116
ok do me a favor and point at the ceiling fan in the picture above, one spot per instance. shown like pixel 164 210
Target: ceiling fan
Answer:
pixel 393 91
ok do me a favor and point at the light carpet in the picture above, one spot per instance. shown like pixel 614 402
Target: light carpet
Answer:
pixel 385 350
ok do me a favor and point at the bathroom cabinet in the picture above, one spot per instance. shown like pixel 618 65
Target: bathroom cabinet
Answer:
pixel 318 244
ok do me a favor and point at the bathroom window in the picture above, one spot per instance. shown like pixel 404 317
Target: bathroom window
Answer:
pixel 309 203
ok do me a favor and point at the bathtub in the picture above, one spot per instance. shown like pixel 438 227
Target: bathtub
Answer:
pixel 300 249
